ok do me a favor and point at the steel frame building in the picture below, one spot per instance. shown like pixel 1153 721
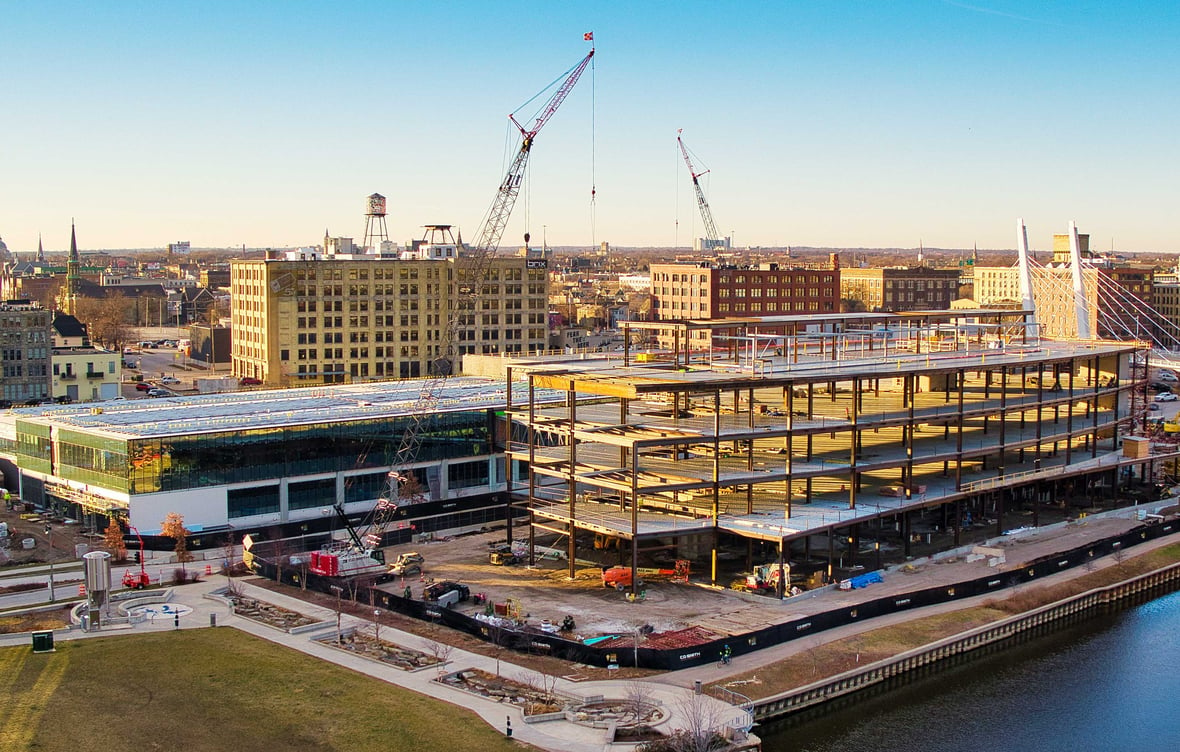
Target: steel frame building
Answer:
pixel 852 419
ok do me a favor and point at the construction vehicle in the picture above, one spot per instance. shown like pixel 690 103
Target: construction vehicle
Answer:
pixel 402 486
pixel 351 559
pixel 446 594
pixel 619 578
pixel 132 579
pixel 765 578
pixel 409 563
pixel 503 555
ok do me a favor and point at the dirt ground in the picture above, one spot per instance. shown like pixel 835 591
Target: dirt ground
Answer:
pixel 65 538
pixel 545 592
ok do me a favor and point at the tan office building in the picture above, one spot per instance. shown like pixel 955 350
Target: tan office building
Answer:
pixel 918 288
pixel 304 319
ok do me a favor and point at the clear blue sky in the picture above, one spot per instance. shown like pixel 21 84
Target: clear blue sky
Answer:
pixel 844 124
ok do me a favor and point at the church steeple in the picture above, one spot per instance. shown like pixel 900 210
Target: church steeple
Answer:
pixel 40 250
pixel 73 273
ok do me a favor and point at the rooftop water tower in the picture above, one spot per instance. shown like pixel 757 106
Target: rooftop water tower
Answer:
pixel 375 230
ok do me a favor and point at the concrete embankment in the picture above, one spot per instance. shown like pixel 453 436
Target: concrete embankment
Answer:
pixel 968 645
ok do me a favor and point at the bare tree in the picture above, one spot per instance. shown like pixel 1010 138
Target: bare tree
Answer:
pixel 702 730
pixel 440 652
pixel 49 296
pixel 638 697
pixel 106 319
pixel 501 639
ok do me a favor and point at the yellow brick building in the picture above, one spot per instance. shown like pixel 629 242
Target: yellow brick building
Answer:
pixel 304 319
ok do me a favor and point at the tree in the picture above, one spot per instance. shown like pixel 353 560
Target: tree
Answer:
pixel 48 297
pixel 411 488
pixel 173 527
pixel 701 732
pixel 852 305
pixel 441 652
pixel 113 540
pixel 106 319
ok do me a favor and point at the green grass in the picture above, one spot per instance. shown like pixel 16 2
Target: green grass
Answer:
pixel 215 690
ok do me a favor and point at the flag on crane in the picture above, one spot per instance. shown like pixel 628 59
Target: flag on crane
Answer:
pixel 588 36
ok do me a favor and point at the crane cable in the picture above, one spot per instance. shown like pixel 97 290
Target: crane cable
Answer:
pixel 593 159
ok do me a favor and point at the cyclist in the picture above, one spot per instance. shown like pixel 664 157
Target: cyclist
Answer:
pixel 726 652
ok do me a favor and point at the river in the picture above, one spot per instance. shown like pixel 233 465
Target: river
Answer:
pixel 1110 684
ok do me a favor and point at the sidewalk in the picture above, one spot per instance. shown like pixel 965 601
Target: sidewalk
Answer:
pixel 897 583
pixel 550 735
pixel 670 689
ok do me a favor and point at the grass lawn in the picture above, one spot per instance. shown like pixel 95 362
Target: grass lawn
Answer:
pixel 215 690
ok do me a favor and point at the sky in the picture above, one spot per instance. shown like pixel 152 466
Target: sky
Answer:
pixel 821 123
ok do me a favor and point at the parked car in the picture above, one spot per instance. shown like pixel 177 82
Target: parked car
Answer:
pixel 157 392
pixel 1166 397
pixel 249 381
pixel 143 386
pixel 169 380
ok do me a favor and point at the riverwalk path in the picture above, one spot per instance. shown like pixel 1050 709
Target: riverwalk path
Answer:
pixel 673 690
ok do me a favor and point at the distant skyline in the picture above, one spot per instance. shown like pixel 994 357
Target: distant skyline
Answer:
pixel 845 125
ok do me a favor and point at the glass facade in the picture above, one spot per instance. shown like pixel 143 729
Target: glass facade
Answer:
pixel 92 459
pixel 180 462
pixel 247 502
pixel 34 448
pixel 467 474
pixel 174 463
pixel 311 494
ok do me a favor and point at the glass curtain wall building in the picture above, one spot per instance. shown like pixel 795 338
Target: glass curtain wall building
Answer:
pixel 250 462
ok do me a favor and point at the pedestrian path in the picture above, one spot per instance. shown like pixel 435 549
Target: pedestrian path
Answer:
pixel 678 701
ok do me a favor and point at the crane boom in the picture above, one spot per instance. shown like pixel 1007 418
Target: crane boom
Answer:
pixel 488 240
pixel 470 273
pixel 712 239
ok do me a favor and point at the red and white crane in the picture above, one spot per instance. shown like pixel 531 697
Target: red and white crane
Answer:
pixel 471 271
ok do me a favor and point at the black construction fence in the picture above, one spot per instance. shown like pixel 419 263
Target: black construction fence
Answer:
pixel 623 654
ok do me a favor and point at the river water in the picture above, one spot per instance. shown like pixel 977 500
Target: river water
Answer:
pixel 1110 684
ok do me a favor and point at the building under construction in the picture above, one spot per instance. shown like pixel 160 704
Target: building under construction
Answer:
pixel 840 429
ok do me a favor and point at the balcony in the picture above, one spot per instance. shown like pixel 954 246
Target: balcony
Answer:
pixel 68 376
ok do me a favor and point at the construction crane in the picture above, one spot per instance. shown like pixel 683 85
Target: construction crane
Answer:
pixel 471 271
pixel 712 240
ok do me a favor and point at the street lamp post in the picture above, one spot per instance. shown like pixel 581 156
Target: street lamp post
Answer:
pixel 49 536
pixel 877 545
pixel 377 627
pixel 337 590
